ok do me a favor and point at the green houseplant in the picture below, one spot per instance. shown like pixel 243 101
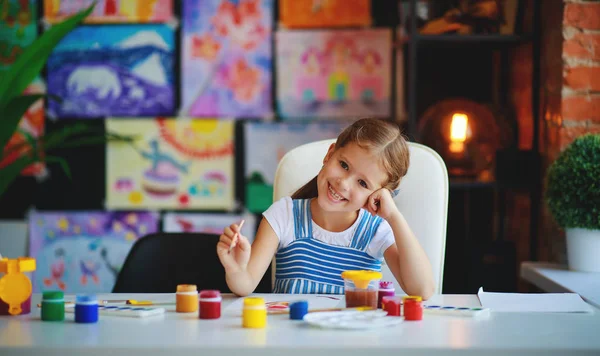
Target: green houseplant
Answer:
pixel 573 198
pixel 13 105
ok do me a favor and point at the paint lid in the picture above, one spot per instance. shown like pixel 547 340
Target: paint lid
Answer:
pixel 210 294
pixel 298 309
pixel 187 288
pixel 53 295
pixel 361 279
pixel 254 302
pixel 411 298
pixel 386 285
pixel 86 298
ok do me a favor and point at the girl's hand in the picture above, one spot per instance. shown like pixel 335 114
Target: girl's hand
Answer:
pixel 233 249
pixel 381 203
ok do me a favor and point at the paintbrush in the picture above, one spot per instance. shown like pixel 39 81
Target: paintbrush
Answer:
pixel 236 235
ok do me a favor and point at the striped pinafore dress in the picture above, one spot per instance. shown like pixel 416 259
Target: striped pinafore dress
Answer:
pixel 308 265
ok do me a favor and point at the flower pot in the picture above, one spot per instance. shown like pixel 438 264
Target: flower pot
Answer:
pixel 583 249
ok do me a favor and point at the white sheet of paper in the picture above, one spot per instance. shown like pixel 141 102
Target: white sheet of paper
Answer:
pixel 534 302
pixel 320 301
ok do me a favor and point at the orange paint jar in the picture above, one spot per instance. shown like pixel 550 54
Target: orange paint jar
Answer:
pixel 186 298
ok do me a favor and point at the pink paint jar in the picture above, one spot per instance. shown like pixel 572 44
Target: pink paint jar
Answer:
pixel 386 289
pixel 210 304
pixel 25 307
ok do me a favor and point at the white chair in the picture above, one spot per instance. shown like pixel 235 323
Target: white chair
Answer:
pixel 423 197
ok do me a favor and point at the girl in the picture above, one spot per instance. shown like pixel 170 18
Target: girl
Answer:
pixel 343 219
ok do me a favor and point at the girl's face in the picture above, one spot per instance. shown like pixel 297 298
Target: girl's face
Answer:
pixel 348 177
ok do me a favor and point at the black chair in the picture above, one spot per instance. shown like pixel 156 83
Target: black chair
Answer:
pixel 158 262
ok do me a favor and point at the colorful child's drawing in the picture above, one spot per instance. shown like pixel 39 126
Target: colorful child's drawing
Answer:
pixel 83 252
pixel 110 11
pixel 265 145
pixel 329 74
pixel 226 58
pixel 174 164
pixel 324 13
pixel 18 30
pixel 117 70
pixel 208 223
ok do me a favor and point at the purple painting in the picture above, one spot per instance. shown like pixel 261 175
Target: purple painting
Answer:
pixel 117 70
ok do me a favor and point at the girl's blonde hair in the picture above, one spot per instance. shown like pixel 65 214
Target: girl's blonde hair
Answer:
pixel 381 138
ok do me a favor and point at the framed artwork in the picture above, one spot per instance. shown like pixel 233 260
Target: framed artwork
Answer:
pixel 227 45
pixel 116 70
pixel 83 252
pixel 208 223
pixel 324 13
pixel 173 164
pixel 18 29
pixel 334 73
pixel 266 143
pixel 111 11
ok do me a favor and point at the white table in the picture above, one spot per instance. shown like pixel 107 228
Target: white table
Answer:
pixel 176 334
pixel 555 278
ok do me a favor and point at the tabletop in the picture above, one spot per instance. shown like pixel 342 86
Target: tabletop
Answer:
pixel 176 334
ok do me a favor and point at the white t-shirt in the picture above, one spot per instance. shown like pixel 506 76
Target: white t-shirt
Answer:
pixel 280 216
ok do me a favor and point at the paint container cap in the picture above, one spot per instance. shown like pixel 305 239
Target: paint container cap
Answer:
pixel 187 288
pixel 410 298
pixel 254 302
pixel 86 298
pixel 298 309
pixel 386 285
pixel 205 294
pixel 53 295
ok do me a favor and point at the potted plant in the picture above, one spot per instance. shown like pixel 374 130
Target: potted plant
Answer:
pixel 14 104
pixel 573 198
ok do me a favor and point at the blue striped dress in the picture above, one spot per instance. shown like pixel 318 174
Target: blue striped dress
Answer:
pixel 308 265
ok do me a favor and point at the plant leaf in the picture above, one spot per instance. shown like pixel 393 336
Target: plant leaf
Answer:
pixel 9 173
pixel 30 63
pixel 63 163
pixel 9 121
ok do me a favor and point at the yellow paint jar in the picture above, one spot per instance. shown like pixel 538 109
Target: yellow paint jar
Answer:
pixel 254 314
pixel 186 298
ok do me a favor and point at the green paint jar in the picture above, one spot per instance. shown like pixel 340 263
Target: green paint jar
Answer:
pixel 53 306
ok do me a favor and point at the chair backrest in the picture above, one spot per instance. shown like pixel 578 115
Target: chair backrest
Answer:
pixel 423 197
pixel 158 262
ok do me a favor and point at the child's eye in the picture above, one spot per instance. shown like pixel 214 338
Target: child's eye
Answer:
pixel 344 165
pixel 363 183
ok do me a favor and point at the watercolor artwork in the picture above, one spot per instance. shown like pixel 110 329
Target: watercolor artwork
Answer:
pixel 18 29
pixel 266 143
pixel 173 164
pixel 83 252
pixel 208 223
pixel 334 73
pixel 226 44
pixel 116 70
pixel 111 11
pixel 329 13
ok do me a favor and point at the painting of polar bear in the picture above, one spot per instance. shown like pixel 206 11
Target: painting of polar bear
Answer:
pixel 100 71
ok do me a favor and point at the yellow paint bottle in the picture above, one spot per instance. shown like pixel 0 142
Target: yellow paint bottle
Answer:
pixel 254 314
pixel 186 298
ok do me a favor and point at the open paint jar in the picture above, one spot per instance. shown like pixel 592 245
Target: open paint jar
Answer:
pixel 361 288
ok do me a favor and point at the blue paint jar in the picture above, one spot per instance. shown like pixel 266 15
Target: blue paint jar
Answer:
pixel 298 310
pixel 86 309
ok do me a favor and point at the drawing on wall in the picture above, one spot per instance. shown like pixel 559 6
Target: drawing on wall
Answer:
pixel 330 13
pixel 116 70
pixel 174 164
pixel 335 73
pixel 227 45
pixel 18 29
pixel 208 223
pixel 109 11
pixel 266 143
pixel 83 252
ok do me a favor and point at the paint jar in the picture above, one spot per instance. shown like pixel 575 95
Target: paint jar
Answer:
pixel 361 288
pixel 210 304
pixel 186 298
pixel 298 310
pixel 413 310
pixel 53 306
pixel 386 289
pixel 392 305
pixel 254 313
pixel 25 307
pixel 86 309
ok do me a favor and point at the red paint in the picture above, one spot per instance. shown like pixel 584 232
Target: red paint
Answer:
pixel 392 305
pixel 413 310
pixel 184 199
pixel 210 304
